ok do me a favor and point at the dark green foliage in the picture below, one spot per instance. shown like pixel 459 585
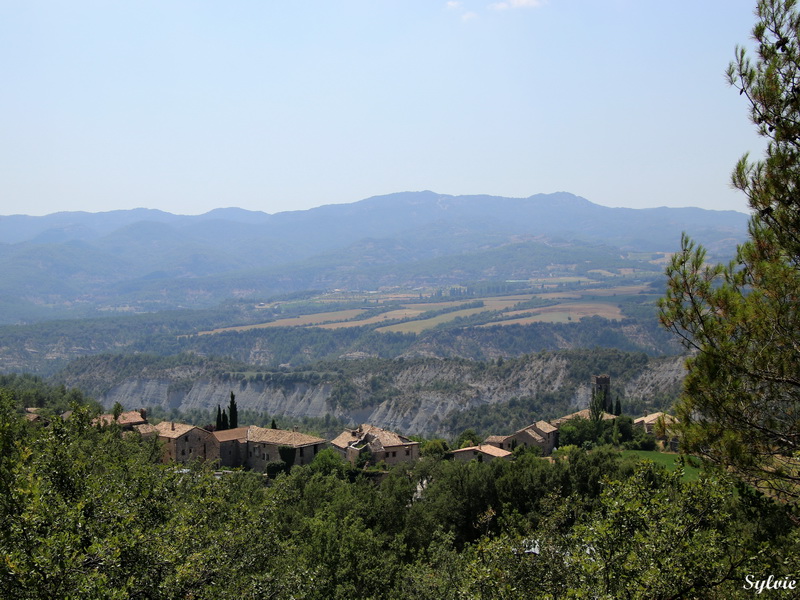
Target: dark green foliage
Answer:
pixel 468 437
pixel 616 432
pixel 437 448
pixel 90 513
pixel 364 459
pixel 578 432
pixel 597 406
pixel 287 454
pixel 32 391
pixel 233 413
pixel 740 402
pixel 172 333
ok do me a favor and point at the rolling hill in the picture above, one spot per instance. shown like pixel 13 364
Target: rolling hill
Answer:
pixel 85 264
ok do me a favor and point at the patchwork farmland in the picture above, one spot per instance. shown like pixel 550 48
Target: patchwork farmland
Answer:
pixel 405 313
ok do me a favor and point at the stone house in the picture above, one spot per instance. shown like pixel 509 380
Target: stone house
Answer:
pixel 661 425
pixel 540 434
pixel 32 415
pixel 255 447
pixel 127 420
pixel 232 444
pixel 581 414
pixel 655 421
pixel 185 443
pixel 482 452
pixel 146 430
pixel 264 446
pixel 383 445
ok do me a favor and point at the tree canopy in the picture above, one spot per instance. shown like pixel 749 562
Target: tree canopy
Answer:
pixel 741 401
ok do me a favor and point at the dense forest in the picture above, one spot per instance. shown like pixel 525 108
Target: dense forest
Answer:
pixel 421 395
pixel 91 513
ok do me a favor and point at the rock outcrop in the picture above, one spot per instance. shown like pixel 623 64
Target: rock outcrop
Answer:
pixel 412 396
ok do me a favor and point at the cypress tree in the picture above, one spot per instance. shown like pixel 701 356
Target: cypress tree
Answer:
pixel 618 407
pixel 608 402
pixel 596 406
pixel 274 424
pixel 219 418
pixel 233 412
pixel 225 420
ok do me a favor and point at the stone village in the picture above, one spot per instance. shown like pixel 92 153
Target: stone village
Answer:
pixel 255 448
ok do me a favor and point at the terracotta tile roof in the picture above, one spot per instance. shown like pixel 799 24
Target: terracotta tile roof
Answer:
pixel 377 438
pixel 581 414
pixel 495 439
pixel 544 427
pixel 535 438
pixel 126 419
pixel 226 435
pixel 145 429
pixel 387 438
pixel 280 437
pixel 653 417
pixel 485 449
pixel 344 439
pixel 166 429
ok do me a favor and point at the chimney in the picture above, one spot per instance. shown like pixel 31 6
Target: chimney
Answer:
pixel 173 426
pixel 143 413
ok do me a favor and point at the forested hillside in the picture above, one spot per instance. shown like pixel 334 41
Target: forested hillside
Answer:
pixel 426 396
pixel 90 513
pixel 71 265
pixel 44 348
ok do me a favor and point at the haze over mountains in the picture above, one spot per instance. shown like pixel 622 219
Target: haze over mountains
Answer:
pixel 75 263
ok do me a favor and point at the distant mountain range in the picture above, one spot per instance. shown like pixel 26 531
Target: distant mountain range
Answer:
pixel 75 263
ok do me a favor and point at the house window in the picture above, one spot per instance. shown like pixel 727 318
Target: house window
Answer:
pixel 187 438
pixel 394 454
pixel 301 452
pixel 183 452
pixel 408 452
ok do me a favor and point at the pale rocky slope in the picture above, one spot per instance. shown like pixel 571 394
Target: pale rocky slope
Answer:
pixel 412 396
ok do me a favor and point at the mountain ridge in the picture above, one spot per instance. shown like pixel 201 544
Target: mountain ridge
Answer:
pixel 69 264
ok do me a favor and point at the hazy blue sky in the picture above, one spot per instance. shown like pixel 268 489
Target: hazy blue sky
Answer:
pixel 282 105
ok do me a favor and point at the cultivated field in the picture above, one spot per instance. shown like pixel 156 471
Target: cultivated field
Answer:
pixel 299 321
pixel 564 313
pixel 567 305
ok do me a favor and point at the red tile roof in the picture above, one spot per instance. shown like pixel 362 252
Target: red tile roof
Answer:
pixel 126 419
pixel 377 438
pixel 281 437
pixel 168 429
pixel 581 414
pixel 226 435
pixel 485 449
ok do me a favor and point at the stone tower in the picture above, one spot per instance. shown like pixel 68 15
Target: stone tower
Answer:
pixel 601 386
